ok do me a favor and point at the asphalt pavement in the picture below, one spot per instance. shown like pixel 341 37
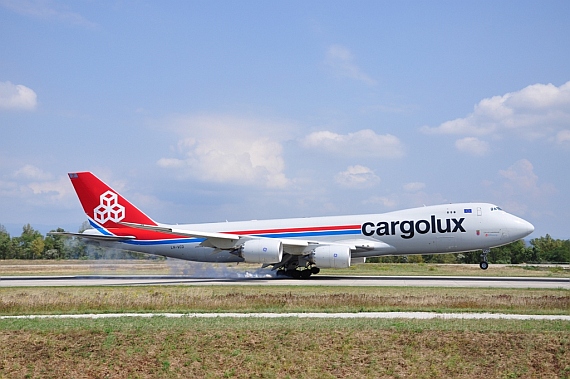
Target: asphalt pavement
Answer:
pixel 317 280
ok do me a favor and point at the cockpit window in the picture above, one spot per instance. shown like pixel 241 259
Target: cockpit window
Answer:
pixel 496 209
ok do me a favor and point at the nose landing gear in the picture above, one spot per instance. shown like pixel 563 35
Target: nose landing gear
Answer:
pixel 484 263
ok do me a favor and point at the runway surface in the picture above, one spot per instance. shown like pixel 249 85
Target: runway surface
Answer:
pixel 392 281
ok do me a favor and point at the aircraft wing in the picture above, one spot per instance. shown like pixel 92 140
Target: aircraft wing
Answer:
pixel 292 246
pixel 219 240
pixel 182 232
pixel 365 245
pixel 229 240
pixel 96 237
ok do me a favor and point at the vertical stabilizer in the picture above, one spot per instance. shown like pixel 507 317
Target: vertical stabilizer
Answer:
pixel 102 204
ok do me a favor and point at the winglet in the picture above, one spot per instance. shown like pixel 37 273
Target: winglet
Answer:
pixel 102 204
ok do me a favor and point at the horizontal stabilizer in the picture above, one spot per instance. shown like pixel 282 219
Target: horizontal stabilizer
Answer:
pixel 96 237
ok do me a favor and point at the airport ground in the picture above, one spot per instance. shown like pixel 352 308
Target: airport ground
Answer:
pixel 195 269
pixel 137 347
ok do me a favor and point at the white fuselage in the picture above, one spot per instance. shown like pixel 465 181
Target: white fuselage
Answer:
pixel 425 230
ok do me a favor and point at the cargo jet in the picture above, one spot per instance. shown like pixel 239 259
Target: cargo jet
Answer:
pixel 297 247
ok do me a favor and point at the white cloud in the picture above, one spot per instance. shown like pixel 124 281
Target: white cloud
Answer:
pixel 357 177
pixel 47 10
pixel 521 174
pixel 520 179
pixel 171 163
pixel 9 189
pixel 563 137
pixel 33 186
pixel 537 111
pixel 473 146
pixel 54 189
pixel 31 172
pixel 362 143
pixel 17 96
pixel 384 201
pixel 230 150
pixel 520 191
pixel 414 186
pixel 340 59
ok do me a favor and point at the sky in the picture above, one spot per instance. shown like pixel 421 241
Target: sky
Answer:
pixel 204 111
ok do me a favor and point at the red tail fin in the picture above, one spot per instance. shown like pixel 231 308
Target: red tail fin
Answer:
pixel 104 205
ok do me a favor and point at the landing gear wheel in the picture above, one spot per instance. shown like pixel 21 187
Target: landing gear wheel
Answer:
pixel 296 274
pixel 315 270
pixel 484 264
pixel 306 274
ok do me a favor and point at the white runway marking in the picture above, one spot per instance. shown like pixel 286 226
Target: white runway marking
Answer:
pixel 368 315
pixel 379 281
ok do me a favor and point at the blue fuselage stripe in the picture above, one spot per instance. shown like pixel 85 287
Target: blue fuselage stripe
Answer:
pixel 270 235
pixel 99 228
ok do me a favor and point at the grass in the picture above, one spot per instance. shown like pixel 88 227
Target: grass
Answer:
pixel 424 269
pixel 48 300
pixel 178 267
pixel 283 348
pixel 160 347
pixel 13 267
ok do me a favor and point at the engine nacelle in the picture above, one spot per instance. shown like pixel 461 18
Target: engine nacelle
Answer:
pixel 333 256
pixel 266 250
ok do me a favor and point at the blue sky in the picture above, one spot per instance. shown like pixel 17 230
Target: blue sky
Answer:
pixel 204 111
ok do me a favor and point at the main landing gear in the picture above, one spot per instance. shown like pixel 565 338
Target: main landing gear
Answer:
pixel 484 263
pixel 295 266
pixel 297 273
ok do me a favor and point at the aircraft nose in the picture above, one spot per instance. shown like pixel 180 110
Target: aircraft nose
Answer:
pixel 520 228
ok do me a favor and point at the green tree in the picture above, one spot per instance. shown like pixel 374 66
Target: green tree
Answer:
pixel 36 247
pixel 416 258
pixel 469 257
pixel 501 254
pixel 77 248
pixel 4 243
pixel 515 252
pixel 556 252
pixel 520 253
pixel 15 250
pixel 440 258
pixel 55 246
pixel 30 243
pixel 547 249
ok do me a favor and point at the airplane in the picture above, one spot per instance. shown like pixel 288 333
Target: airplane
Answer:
pixel 297 247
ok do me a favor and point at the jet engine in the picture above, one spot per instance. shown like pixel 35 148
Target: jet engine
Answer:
pixel 332 256
pixel 266 250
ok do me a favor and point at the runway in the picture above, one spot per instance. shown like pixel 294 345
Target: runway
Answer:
pixel 352 281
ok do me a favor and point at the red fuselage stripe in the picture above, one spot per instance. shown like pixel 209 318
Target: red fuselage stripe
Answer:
pixel 295 230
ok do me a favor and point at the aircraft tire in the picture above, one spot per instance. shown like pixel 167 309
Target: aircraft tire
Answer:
pixel 484 265
pixel 296 274
pixel 315 270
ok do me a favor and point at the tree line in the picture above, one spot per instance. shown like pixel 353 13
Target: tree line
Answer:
pixel 539 250
pixel 31 244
